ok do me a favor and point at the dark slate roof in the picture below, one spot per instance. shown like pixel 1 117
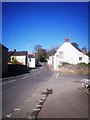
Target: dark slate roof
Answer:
pixel 1 45
pixel 31 56
pixel 18 53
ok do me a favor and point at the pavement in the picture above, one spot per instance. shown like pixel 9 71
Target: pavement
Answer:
pixel 67 100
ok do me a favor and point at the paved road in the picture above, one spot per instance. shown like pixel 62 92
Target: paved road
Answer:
pixel 21 94
pixel 16 90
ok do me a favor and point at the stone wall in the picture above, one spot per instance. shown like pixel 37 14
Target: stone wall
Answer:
pixel 81 69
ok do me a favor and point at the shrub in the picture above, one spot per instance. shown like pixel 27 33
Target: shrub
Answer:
pixel 88 64
pixel 14 61
pixel 81 64
pixel 65 63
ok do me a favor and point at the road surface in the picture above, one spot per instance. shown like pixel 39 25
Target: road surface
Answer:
pixel 21 94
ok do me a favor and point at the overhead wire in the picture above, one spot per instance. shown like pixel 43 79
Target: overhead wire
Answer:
pixel 11 30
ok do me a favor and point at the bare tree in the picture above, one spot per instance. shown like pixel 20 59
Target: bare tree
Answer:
pixel 37 47
pixel 52 51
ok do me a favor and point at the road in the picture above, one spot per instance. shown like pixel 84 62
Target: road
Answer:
pixel 15 91
pixel 20 94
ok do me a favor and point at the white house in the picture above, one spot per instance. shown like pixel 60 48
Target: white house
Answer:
pixel 20 56
pixel 68 53
pixel 31 61
pixel 24 58
pixel 50 60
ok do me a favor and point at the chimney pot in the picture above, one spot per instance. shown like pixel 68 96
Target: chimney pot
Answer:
pixel 67 39
pixel 83 51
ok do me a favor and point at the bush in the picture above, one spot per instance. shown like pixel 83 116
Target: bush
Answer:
pixel 81 64
pixel 65 63
pixel 14 61
pixel 88 64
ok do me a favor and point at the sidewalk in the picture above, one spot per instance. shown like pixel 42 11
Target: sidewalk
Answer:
pixel 67 101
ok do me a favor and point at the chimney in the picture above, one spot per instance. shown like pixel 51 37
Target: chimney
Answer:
pixel 67 39
pixel 83 51
pixel 12 52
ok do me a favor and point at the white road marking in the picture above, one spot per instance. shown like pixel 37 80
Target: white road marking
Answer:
pixel 25 77
pixel 33 69
pixel 9 115
pixel 17 109
pixel 44 95
pixel 36 109
pixel 40 100
pixel 8 82
pixel 38 105
pixel 57 75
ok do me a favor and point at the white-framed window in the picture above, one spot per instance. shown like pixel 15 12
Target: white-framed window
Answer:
pixel 80 58
pixel 61 54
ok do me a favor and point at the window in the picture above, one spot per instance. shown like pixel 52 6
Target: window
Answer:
pixel 61 54
pixel 29 59
pixel 80 58
pixel 13 58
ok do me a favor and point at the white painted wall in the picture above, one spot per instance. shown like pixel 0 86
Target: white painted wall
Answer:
pixel 50 60
pixel 21 59
pixel 67 53
pixel 31 62
pixel 55 64
pixel 71 54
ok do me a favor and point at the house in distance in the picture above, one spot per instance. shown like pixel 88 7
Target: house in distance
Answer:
pixel 22 57
pixel 67 53
pixel 31 60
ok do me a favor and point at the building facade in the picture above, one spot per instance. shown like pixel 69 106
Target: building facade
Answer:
pixel 20 56
pixel 4 58
pixel 31 61
pixel 68 53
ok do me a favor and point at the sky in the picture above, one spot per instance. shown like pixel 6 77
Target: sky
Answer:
pixel 26 24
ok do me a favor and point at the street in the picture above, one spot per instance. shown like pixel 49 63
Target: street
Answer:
pixel 21 94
